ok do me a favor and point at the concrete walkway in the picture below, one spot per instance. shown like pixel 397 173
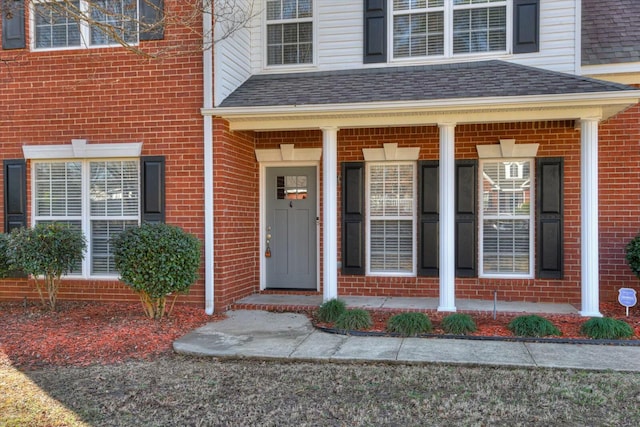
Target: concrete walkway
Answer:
pixel 289 336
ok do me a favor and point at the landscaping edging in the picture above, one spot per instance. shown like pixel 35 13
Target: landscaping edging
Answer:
pixel 589 341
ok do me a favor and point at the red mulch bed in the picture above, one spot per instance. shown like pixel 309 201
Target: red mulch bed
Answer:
pixel 83 334
pixel 569 325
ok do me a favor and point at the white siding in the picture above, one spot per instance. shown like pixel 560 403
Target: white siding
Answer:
pixel 338 34
pixel 557 38
pixel 232 63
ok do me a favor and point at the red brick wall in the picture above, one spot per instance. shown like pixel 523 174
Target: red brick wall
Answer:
pixel 236 215
pixel 619 180
pixel 620 167
pixel 110 95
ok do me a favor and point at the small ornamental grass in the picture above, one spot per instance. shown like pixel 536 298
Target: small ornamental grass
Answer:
pixel 354 319
pixel 458 324
pixel 409 324
pixel 532 326
pixel 330 310
pixel 606 328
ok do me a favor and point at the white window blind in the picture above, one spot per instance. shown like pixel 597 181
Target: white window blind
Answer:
pixel 101 198
pixel 391 202
pixel 507 215
pixel 79 23
pixel 423 28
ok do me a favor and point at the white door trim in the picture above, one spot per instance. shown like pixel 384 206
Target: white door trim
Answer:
pixel 263 214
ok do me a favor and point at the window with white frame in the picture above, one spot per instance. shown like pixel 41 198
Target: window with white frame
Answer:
pixel 424 28
pixel 60 24
pixel 391 217
pixel 506 218
pixel 289 32
pixel 99 197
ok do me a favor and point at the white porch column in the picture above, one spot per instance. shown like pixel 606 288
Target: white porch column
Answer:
pixel 330 211
pixel 589 217
pixel 447 263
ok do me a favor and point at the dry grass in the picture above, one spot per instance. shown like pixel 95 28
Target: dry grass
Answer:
pixel 182 391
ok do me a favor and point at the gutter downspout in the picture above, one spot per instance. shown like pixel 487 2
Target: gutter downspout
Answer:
pixel 207 65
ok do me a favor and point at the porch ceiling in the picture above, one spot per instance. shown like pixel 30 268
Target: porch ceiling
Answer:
pixel 479 92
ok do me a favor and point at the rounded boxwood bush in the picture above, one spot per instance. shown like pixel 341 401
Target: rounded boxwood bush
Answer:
pixel 458 324
pixel 409 324
pixel 46 252
pixel 330 310
pixel 606 328
pixel 354 319
pixel 156 260
pixel 633 255
pixel 532 326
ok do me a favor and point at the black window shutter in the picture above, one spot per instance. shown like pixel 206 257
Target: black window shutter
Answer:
pixel 353 218
pixel 526 26
pixel 550 217
pixel 13 35
pixel 466 228
pixel 15 194
pixel 428 218
pixel 375 31
pixel 151 15
pixel 152 202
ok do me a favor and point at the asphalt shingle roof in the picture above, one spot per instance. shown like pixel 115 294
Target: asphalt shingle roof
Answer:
pixel 415 83
pixel 610 31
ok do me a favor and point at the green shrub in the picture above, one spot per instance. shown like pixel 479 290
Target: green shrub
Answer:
pixel 409 324
pixel 156 260
pixel 46 252
pixel 458 324
pixel 633 255
pixel 5 262
pixel 532 326
pixel 606 328
pixel 354 319
pixel 330 310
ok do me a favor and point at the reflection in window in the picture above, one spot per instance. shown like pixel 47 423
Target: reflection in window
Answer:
pixel 291 187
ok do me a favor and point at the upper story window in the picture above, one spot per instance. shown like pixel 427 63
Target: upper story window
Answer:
pixel 59 24
pixel 448 27
pixel 289 32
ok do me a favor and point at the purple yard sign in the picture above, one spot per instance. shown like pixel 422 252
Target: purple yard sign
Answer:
pixel 627 297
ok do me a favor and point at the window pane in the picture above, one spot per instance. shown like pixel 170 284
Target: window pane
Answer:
pixel 507 216
pixel 55 26
pixel 274 9
pixel 114 19
pixel 391 246
pixel 114 188
pixel 101 254
pixel 58 188
pixel 391 212
pixel 479 30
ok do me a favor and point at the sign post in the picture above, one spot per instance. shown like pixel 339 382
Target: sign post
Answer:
pixel 627 297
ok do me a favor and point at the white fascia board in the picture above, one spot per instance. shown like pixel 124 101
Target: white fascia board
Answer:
pixel 461 110
pixel 80 149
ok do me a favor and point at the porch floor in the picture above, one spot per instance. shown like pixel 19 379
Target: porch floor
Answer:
pixel 286 302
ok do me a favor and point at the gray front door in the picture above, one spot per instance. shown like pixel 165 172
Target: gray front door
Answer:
pixel 290 258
